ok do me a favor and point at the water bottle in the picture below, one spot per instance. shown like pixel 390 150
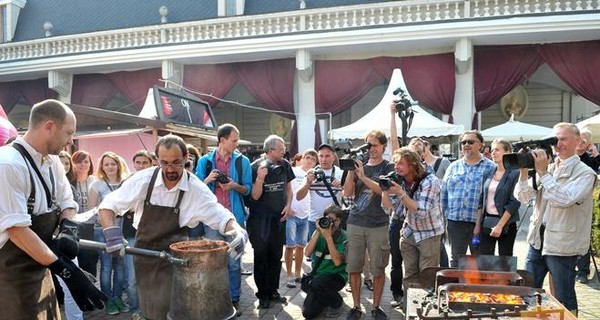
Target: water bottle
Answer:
pixel 475 241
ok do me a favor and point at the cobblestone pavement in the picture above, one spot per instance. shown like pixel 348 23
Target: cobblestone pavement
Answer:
pixel 588 295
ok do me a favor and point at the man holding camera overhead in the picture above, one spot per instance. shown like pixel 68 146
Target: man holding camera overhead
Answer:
pixel 368 223
pixel 560 226
pixel 270 206
pixel 228 175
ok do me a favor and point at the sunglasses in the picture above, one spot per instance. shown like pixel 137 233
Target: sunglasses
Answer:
pixel 469 142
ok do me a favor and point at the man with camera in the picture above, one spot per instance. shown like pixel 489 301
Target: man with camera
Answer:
pixel 462 192
pixel 560 226
pixel 228 175
pixel 368 223
pixel 412 193
pixel 270 206
pixel 320 197
pixel 329 274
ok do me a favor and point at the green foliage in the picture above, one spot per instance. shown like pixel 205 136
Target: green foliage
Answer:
pixel 596 222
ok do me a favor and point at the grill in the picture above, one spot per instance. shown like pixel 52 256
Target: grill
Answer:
pixel 474 294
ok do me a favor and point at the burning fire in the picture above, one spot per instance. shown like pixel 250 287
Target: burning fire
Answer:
pixel 488 298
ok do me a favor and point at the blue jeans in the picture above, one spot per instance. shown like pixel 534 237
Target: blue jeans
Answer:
pixel 132 295
pixel 312 226
pixel 562 270
pixel 234 266
pixel 296 230
pixel 110 267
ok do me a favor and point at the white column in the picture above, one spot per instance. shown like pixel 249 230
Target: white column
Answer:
pixel 172 71
pixel 61 83
pixel 464 94
pixel 304 100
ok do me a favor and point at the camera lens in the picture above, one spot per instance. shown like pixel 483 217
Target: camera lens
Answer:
pixel 385 183
pixel 324 223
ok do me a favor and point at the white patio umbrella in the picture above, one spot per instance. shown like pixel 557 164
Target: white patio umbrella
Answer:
pixel 592 124
pixel 516 131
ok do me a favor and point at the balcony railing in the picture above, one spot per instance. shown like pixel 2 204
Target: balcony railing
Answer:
pixel 373 15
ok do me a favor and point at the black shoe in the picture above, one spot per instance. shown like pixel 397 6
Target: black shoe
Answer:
pixel 378 314
pixel 582 279
pixel 236 305
pixel 264 303
pixel 369 284
pixel 276 297
pixel 246 272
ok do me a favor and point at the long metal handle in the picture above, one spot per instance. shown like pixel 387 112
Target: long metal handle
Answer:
pixel 101 246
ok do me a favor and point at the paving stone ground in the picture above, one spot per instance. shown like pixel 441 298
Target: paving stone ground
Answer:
pixel 588 295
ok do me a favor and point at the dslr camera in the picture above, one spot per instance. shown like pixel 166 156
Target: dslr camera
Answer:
pixel 222 177
pixel 386 182
pixel 360 153
pixel 325 222
pixel 522 158
pixel 319 174
pixel 273 168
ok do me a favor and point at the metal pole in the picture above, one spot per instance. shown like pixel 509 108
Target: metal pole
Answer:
pixel 101 246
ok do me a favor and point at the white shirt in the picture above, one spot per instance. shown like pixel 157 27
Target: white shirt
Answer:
pixel 320 198
pixel 16 187
pixel 199 204
pixel 301 208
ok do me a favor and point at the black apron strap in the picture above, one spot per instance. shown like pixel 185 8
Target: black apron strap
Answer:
pixel 151 185
pixel 49 196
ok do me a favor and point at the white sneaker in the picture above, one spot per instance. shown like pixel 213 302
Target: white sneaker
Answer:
pixel 290 283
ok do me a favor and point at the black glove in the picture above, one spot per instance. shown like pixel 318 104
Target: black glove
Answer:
pixel 86 295
pixel 67 241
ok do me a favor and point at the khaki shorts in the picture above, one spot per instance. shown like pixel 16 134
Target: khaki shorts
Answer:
pixel 376 241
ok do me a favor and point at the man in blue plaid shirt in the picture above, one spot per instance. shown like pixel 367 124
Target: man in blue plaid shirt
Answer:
pixel 462 193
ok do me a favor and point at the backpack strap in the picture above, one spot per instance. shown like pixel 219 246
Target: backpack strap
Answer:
pixel 436 165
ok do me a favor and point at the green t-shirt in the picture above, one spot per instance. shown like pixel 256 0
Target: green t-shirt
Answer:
pixel 327 266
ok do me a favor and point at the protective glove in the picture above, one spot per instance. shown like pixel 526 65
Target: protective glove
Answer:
pixel 86 295
pixel 67 241
pixel 240 238
pixel 115 244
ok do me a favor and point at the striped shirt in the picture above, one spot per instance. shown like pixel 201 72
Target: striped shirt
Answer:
pixel 427 221
pixel 462 188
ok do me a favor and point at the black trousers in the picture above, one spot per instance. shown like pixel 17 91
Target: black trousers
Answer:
pixel 396 258
pixel 323 292
pixel 506 241
pixel 267 236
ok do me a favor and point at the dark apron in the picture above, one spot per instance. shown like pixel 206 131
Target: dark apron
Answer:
pixel 158 228
pixel 26 288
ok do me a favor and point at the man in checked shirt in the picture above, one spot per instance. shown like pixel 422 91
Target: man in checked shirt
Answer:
pixel 462 193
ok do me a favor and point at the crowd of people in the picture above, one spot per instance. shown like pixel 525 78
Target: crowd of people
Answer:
pixel 349 224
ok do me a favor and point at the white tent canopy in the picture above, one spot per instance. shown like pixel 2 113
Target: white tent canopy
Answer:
pixel 593 125
pixel 423 125
pixel 513 130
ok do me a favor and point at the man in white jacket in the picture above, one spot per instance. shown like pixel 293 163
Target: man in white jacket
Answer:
pixel 560 226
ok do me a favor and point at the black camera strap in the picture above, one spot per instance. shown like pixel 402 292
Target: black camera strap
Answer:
pixel 328 186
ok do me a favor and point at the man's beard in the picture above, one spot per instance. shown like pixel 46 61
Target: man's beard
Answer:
pixel 172 176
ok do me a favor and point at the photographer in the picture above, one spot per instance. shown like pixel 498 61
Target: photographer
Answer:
pixel 270 206
pixel 320 198
pixel 413 193
pixel 328 244
pixel 227 174
pixel 368 223
pixel 560 226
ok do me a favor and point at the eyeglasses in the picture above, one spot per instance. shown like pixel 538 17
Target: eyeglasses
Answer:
pixel 469 142
pixel 174 165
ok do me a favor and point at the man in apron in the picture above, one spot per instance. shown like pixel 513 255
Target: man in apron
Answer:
pixel 35 188
pixel 166 199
